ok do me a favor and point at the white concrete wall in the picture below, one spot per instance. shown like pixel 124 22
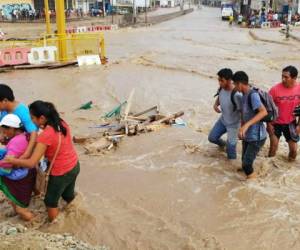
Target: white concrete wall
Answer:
pixel 139 3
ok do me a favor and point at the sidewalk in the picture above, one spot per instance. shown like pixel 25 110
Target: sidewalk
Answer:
pixel 295 33
pixel 271 35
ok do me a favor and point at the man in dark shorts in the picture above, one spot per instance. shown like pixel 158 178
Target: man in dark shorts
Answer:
pixel 286 96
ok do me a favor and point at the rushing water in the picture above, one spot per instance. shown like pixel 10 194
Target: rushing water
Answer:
pixel 172 189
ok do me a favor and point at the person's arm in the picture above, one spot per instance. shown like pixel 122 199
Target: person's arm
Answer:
pixel 270 127
pixel 30 128
pixel 216 106
pixel 262 112
pixel 4 164
pixel 37 154
pixel 238 100
pixel 31 144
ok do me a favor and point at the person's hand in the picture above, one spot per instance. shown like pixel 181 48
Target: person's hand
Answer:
pixel 270 128
pixel 217 109
pixel 9 159
pixel 243 130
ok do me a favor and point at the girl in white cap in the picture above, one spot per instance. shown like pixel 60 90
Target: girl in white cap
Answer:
pixel 16 183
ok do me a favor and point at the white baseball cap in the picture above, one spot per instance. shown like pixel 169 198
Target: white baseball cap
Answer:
pixel 11 120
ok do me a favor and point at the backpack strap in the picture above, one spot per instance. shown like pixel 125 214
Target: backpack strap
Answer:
pixel 249 100
pixel 232 95
pixel 218 92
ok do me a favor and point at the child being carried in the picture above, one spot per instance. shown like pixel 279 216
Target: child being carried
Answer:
pixel 12 129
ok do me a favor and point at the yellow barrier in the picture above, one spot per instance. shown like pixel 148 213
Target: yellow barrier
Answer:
pixel 77 44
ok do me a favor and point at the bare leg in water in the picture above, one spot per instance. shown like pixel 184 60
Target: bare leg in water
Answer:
pixel 52 213
pixel 292 150
pixel 24 213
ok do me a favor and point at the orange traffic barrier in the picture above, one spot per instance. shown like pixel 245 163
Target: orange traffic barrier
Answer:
pixel 91 29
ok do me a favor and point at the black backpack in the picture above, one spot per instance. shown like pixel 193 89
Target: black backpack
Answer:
pixel 233 92
pixel 267 101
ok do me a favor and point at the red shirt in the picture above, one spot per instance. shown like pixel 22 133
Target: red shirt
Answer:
pixel 67 156
pixel 286 99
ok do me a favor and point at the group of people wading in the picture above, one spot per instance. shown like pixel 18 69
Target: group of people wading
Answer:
pixel 37 132
pixel 32 135
pixel 245 110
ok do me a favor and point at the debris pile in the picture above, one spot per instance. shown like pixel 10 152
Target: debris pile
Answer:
pixel 127 124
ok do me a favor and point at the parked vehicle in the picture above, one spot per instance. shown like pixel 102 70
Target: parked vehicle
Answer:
pixel 226 13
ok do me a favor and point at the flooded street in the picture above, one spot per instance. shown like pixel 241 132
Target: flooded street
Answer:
pixel 172 189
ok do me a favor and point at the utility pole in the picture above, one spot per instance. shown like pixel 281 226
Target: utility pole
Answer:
pixel 103 7
pixel 146 18
pixel 288 21
pixel 134 11
pixel 112 11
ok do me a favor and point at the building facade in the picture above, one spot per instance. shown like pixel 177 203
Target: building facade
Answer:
pixel 14 8
pixel 39 4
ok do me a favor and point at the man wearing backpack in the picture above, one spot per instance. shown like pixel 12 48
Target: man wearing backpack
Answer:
pixel 229 101
pixel 286 96
pixel 252 132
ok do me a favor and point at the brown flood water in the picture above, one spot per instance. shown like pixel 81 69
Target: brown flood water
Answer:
pixel 172 189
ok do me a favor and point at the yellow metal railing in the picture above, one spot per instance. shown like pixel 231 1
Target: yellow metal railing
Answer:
pixel 76 44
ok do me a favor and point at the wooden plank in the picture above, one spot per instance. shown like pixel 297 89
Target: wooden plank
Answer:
pixel 127 110
pixel 41 66
pixel 146 111
pixel 169 118
pixel 129 102
pixel 62 65
pixel 140 119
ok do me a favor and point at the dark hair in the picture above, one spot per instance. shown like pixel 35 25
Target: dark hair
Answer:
pixel 22 129
pixel 225 73
pixel 6 93
pixel 241 76
pixel 292 70
pixel 47 109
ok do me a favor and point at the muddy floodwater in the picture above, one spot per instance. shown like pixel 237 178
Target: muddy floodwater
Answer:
pixel 172 189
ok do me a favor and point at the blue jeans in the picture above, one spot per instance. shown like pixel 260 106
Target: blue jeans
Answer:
pixel 216 133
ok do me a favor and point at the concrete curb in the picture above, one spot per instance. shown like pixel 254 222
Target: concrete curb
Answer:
pixel 291 36
pixel 158 19
pixel 256 38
